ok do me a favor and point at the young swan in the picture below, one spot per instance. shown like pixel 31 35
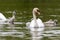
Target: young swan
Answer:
pixel 11 20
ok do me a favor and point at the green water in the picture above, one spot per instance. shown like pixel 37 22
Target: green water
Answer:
pixel 23 9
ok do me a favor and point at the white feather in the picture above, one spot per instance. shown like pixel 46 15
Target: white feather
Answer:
pixel 2 17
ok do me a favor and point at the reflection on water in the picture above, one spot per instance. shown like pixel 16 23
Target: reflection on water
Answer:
pixel 18 31
pixel 10 31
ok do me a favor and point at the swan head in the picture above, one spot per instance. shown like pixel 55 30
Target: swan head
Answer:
pixel 36 11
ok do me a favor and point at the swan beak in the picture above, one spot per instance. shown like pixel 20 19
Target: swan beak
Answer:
pixel 38 12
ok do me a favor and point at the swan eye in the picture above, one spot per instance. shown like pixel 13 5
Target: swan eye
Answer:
pixel 38 10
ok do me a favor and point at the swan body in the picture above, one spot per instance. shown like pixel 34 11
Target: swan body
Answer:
pixel 51 22
pixel 3 19
pixel 39 24
pixel 11 20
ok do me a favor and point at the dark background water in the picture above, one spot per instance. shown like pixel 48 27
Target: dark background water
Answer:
pixel 24 8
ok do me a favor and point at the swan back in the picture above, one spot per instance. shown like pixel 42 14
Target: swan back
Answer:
pixel 50 22
pixel 2 17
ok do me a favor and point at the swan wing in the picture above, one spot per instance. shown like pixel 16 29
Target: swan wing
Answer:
pixel 32 24
pixel 40 23
pixel 2 17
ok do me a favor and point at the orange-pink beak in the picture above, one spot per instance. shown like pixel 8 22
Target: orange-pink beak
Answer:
pixel 38 11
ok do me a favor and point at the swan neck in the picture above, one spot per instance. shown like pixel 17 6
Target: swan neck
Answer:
pixel 13 15
pixel 34 16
